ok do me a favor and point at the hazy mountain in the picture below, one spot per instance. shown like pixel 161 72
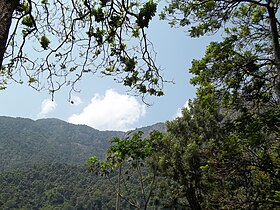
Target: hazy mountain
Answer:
pixel 25 142
pixel 148 129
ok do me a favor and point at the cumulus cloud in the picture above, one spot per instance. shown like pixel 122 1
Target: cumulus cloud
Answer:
pixel 179 111
pixel 113 111
pixel 47 106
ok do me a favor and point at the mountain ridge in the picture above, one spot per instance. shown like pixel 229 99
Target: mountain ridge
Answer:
pixel 25 142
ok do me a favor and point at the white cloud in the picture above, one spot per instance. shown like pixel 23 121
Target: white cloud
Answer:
pixel 179 111
pixel 47 106
pixel 76 100
pixel 113 111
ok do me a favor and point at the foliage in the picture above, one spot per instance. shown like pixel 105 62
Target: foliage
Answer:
pixel 108 37
pixel 25 142
pixel 212 162
pixel 245 66
pixel 44 41
pixel 35 170
pixel 225 148
pixel 128 158
pixel 223 153
pixel 53 186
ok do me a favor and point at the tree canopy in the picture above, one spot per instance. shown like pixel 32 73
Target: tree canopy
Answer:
pixel 51 43
pixel 229 135
pixel 248 59
pixel 54 42
pixel 223 153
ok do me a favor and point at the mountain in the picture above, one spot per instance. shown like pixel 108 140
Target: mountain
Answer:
pixel 25 142
pixel 148 129
pixel 41 165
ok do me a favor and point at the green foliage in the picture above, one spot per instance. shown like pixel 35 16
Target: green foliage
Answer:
pixel 133 148
pixel 209 16
pixel 53 186
pixel 240 68
pixel 27 20
pixel 237 78
pixel 24 142
pixel 24 7
pixel 127 159
pixel 98 14
pixel 108 37
pixel 44 41
pixel 147 12
pixel 31 180
pixel 31 80
pixel 213 161
pixel 224 152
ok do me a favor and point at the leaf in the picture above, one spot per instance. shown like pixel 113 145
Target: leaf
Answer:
pixel 27 21
pixel 32 80
pixel 44 41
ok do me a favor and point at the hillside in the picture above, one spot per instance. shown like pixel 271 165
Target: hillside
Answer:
pixel 25 142
pixel 40 165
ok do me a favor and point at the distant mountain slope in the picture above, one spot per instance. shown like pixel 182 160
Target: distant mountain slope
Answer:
pixel 25 142
pixel 148 129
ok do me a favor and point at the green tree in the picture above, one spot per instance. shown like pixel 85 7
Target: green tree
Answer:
pixel 211 162
pixel 248 60
pixel 134 182
pixel 71 38
pixel 183 155
pixel 227 142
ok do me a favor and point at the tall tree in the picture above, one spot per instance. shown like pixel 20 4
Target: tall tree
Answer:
pixel 51 43
pixel 238 90
pixel 7 8
pixel 128 158
pixel 209 162
pixel 249 58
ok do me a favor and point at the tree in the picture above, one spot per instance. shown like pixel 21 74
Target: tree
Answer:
pixel 224 151
pixel 184 155
pixel 134 182
pixel 209 162
pixel 60 41
pixel 226 146
pixel 248 60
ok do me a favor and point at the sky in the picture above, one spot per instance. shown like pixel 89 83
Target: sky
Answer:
pixel 105 105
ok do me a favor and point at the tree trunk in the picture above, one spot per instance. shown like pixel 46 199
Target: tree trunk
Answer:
pixel 7 8
pixel 118 199
pixel 275 45
pixel 192 199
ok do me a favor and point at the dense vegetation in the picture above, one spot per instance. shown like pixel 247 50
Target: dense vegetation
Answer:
pixel 223 153
pixel 54 186
pixel 42 165
pixel 48 187
pixel 25 142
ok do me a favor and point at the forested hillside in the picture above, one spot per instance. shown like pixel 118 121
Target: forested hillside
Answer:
pixel 24 142
pixel 43 165
pixel 55 186
pixel 48 186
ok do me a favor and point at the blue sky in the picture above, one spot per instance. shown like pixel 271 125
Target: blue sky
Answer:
pixel 105 105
